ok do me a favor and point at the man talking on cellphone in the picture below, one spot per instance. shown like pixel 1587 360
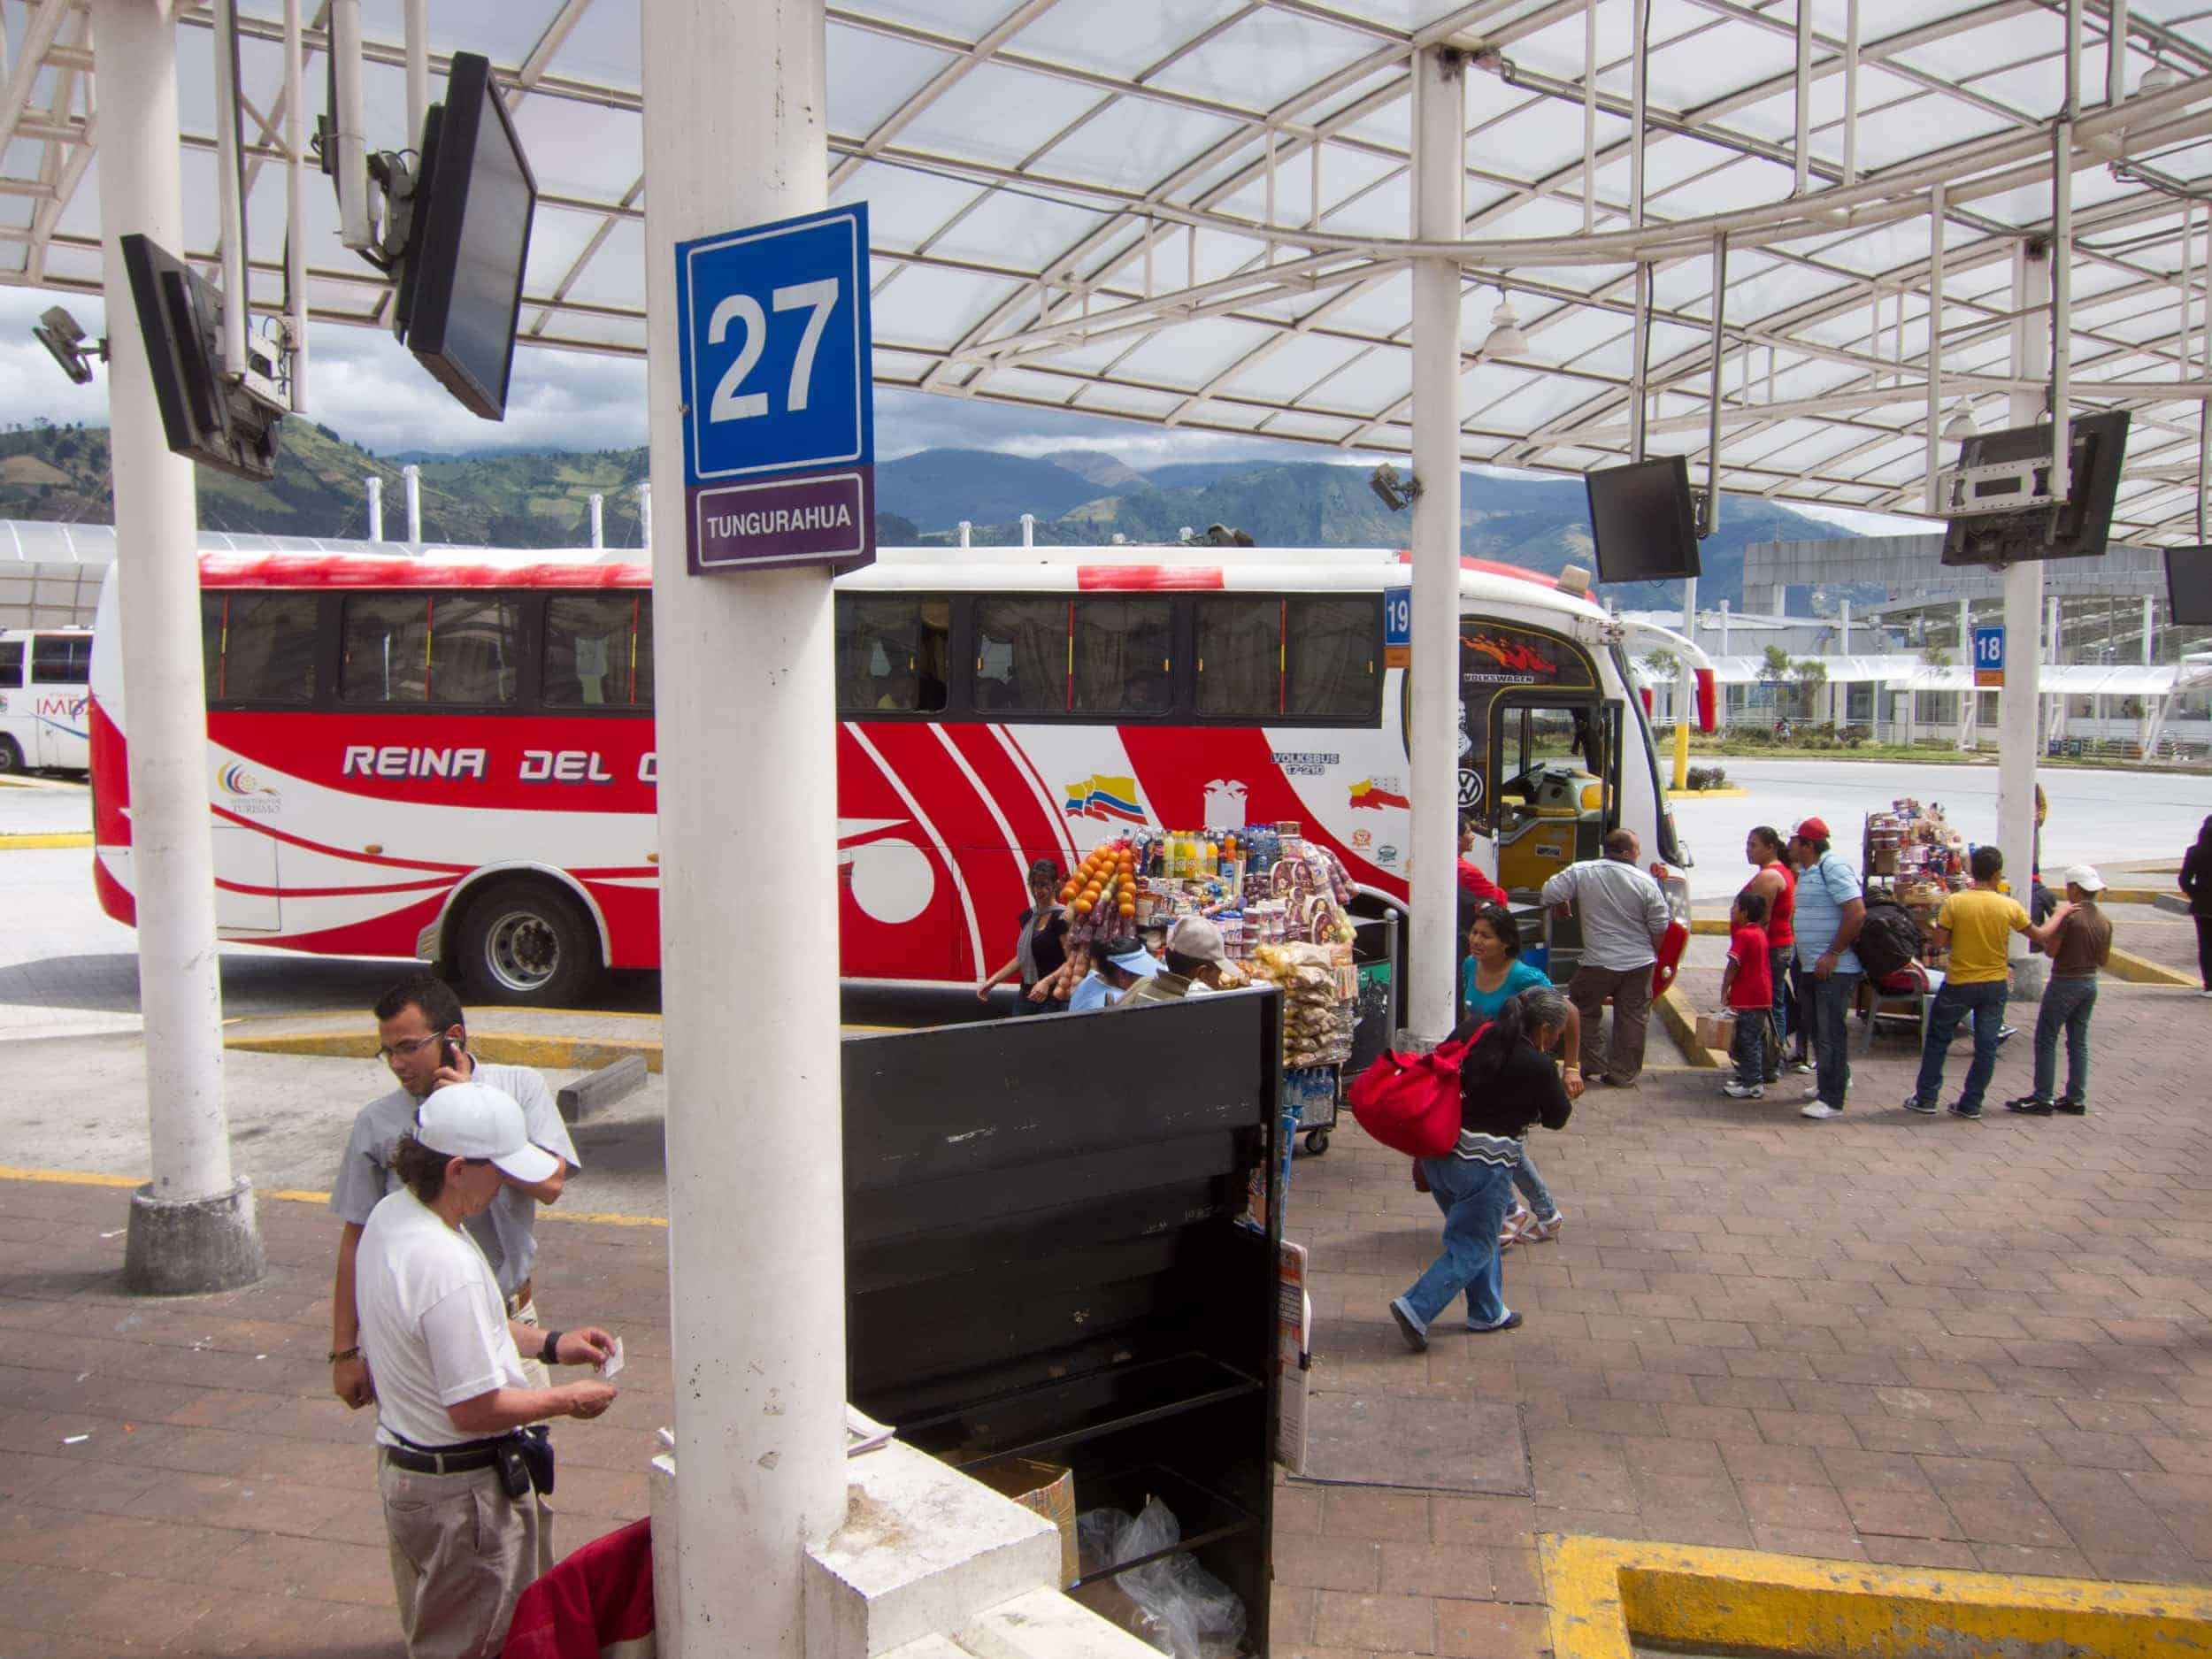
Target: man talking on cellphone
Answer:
pixel 422 1035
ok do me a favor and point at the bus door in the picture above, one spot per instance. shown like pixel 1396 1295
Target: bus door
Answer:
pixel 1557 767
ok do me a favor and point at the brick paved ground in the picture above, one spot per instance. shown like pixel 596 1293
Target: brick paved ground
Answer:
pixel 1882 1338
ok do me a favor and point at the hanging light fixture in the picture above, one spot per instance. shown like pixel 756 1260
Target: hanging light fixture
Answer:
pixel 1506 339
pixel 1962 425
pixel 2160 77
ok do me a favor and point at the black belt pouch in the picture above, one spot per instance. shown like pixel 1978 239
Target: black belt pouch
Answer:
pixel 536 1449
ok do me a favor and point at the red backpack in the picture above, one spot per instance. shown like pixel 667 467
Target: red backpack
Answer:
pixel 1410 1102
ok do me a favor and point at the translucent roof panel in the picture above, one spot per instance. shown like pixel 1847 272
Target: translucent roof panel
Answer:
pixel 1197 211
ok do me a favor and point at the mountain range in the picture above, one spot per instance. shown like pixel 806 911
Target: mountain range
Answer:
pixel 1079 498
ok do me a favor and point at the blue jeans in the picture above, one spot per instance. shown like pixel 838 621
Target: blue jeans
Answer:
pixel 1474 1198
pixel 1985 1000
pixel 1827 1009
pixel 1532 1189
pixel 1749 1050
pixel 2068 1003
pixel 1778 964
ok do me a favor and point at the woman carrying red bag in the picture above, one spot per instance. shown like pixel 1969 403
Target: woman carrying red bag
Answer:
pixel 1507 1082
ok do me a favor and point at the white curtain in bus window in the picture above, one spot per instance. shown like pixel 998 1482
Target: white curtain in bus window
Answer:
pixel 1021 656
pixel 1124 655
pixel 599 651
pixel 1240 658
pixel 891 652
pixel 1335 655
pixel 430 648
pixel 61 659
pixel 258 647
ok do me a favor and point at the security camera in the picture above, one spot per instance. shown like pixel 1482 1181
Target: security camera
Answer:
pixel 64 338
pixel 1395 492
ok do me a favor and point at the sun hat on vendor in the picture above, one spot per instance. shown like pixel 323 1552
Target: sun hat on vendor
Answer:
pixel 1139 962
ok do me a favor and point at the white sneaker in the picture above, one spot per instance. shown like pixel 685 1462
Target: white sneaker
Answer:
pixel 1739 1091
pixel 1821 1109
pixel 2208 994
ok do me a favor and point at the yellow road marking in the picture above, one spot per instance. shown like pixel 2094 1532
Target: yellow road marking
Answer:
pixel 34 842
pixel 295 1196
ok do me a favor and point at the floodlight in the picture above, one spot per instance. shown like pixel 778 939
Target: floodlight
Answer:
pixel 1394 492
pixel 2160 77
pixel 1962 425
pixel 64 337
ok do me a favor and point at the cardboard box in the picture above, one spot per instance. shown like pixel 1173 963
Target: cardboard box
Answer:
pixel 1716 1031
pixel 1294 1356
pixel 1043 1488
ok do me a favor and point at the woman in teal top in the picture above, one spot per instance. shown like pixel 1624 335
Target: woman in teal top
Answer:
pixel 1494 972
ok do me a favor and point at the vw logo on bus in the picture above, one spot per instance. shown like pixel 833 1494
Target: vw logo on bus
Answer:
pixel 1470 789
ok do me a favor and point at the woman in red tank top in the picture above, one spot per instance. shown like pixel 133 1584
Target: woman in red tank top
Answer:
pixel 1762 849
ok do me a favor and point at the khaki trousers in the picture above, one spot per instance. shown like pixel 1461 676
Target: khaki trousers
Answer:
pixel 462 1552
pixel 1631 991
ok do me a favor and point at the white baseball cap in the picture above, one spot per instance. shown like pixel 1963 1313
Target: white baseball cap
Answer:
pixel 474 1120
pixel 2085 877
pixel 1195 937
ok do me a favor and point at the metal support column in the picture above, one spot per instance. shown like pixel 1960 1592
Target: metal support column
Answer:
pixel 755 1192
pixel 1439 215
pixel 2019 703
pixel 192 1226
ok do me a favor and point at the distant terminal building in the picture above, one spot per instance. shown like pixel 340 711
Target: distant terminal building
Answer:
pixel 2119 675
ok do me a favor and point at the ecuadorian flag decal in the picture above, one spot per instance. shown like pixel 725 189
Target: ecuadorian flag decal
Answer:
pixel 1113 800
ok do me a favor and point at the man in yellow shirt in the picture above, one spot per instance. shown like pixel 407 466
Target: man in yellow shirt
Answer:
pixel 1977 924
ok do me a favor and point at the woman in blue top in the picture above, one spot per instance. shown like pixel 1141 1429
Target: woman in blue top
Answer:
pixel 1495 973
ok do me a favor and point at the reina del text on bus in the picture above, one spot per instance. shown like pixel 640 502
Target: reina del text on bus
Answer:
pixel 537 766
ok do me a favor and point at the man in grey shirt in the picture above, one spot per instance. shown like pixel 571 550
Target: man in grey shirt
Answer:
pixel 423 1038
pixel 1624 919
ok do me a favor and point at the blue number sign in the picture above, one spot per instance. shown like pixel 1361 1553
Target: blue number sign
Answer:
pixel 1397 627
pixel 778 405
pixel 1989 656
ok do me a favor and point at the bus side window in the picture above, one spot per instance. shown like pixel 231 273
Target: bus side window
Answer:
pixel 1239 644
pixel 1334 668
pixel 258 647
pixel 1021 650
pixel 456 647
pixel 891 652
pixel 61 659
pixel 1124 655
pixel 11 663
pixel 599 651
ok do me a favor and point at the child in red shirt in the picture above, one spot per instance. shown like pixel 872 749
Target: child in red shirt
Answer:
pixel 1748 988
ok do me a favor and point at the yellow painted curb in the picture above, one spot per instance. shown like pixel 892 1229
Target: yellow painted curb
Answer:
pixel 87 1178
pixel 1710 926
pixel 547 1052
pixel 1680 1019
pixel 2135 896
pixel 1706 794
pixel 2126 964
pixel 1607 1595
pixel 32 844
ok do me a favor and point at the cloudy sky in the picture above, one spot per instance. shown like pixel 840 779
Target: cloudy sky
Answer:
pixel 365 387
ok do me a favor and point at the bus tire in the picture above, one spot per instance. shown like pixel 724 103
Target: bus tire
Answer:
pixel 528 942
pixel 11 754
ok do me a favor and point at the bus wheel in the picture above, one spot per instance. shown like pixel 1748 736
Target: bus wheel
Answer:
pixel 11 754
pixel 530 942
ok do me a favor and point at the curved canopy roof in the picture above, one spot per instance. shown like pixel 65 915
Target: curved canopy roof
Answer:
pixel 1196 211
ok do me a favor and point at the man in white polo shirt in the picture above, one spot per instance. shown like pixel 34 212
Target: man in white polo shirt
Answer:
pixel 1625 918
pixel 423 1038
pixel 467 1528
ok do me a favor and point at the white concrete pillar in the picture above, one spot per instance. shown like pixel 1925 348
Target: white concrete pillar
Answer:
pixel 967 529
pixel 192 1226
pixel 1029 529
pixel 376 508
pixel 2150 624
pixel 645 508
pixel 411 476
pixel 2019 703
pixel 598 521
pixel 755 1151
pixel 1723 627
pixel 1843 637
pixel 1439 151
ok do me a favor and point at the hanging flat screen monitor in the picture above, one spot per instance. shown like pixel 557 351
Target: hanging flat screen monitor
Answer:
pixel 2189 586
pixel 460 291
pixel 2098 445
pixel 206 416
pixel 1642 521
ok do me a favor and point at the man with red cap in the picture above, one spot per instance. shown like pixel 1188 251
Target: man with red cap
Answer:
pixel 1830 907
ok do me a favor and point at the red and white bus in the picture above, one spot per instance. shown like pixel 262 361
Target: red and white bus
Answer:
pixel 453 760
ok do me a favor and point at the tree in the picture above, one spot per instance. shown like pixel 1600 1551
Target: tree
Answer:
pixel 1662 666
pixel 1777 665
pixel 1810 675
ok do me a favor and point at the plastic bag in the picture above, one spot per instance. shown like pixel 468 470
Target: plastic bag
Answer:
pixel 1184 1609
